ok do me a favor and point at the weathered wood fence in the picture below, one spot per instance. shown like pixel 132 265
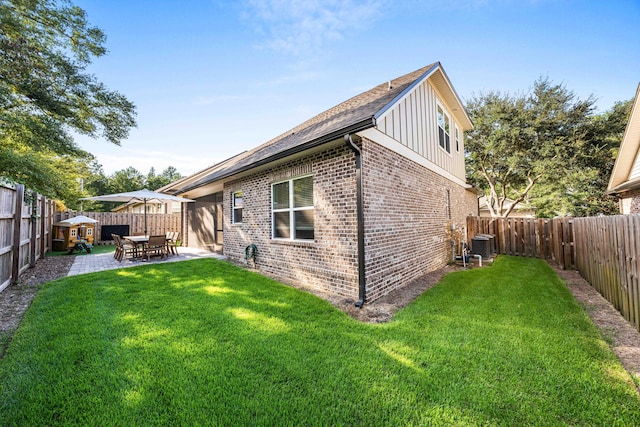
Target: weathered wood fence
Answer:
pixel 605 250
pixel 25 229
pixel 156 223
pixel 608 257
pixel 530 237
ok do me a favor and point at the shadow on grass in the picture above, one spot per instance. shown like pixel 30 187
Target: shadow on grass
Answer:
pixel 97 249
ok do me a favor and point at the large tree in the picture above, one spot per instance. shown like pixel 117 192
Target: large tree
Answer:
pixel 546 147
pixel 46 93
pixel 128 179
pixel 169 175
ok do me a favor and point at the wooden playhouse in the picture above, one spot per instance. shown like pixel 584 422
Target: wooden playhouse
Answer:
pixel 75 233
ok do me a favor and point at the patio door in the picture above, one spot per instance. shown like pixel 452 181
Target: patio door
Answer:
pixel 201 225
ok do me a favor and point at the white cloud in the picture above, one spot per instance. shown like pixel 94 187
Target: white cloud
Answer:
pixel 302 28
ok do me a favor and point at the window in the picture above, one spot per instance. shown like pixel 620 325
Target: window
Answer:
pixel 457 139
pixel 292 209
pixel 443 129
pixel 237 204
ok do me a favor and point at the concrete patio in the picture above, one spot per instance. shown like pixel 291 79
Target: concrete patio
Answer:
pixel 100 262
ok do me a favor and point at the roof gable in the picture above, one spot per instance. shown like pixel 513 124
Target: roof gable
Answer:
pixel 440 81
pixel 353 115
pixel 623 176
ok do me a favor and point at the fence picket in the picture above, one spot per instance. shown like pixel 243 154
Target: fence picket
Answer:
pixel 635 266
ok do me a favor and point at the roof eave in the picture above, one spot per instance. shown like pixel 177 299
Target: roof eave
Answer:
pixel 367 123
pixel 624 187
pixel 629 147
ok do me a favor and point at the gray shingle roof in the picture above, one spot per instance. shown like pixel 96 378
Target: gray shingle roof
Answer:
pixel 352 115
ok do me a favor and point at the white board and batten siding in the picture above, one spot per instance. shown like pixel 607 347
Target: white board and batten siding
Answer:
pixel 413 123
pixel 635 170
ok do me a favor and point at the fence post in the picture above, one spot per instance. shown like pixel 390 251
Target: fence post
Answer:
pixel 43 217
pixel 33 239
pixel 17 225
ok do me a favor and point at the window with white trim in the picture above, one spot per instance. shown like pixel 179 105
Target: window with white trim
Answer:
pixel 457 139
pixel 444 129
pixel 237 205
pixel 292 212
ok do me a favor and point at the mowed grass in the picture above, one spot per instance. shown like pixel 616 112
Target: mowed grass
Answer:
pixel 206 343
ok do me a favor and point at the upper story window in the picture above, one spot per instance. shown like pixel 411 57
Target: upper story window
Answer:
pixel 236 207
pixel 292 211
pixel 457 138
pixel 444 129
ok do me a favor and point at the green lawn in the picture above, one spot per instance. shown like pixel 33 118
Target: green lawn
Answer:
pixel 206 343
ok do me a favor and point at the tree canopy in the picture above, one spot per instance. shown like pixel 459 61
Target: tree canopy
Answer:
pixel 46 93
pixel 547 147
pixel 124 180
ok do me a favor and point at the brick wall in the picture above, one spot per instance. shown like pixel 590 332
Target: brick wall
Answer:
pixel 407 218
pixel 328 263
pixel 630 203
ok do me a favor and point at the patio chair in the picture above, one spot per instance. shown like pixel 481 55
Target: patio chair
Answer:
pixel 124 248
pixel 157 246
pixel 172 242
pixel 116 241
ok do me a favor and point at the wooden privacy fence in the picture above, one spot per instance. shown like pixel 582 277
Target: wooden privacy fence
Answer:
pixel 156 223
pixel 608 257
pixel 25 228
pixel 547 238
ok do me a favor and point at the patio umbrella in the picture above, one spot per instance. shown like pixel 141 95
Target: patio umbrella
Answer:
pixel 80 219
pixel 143 196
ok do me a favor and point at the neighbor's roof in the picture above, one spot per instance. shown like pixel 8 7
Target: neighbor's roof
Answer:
pixel 629 148
pixel 355 114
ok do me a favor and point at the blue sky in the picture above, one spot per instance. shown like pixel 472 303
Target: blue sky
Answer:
pixel 212 78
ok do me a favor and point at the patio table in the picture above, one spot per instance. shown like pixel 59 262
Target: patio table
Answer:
pixel 140 243
pixel 138 239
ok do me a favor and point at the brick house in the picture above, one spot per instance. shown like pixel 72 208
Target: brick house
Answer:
pixel 356 201
pixel 625 178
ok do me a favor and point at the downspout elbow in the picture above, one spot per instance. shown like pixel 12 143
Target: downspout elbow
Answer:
pixel 362 286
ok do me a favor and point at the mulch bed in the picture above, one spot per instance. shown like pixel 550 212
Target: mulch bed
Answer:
pixel 15 299
pixel 621 335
